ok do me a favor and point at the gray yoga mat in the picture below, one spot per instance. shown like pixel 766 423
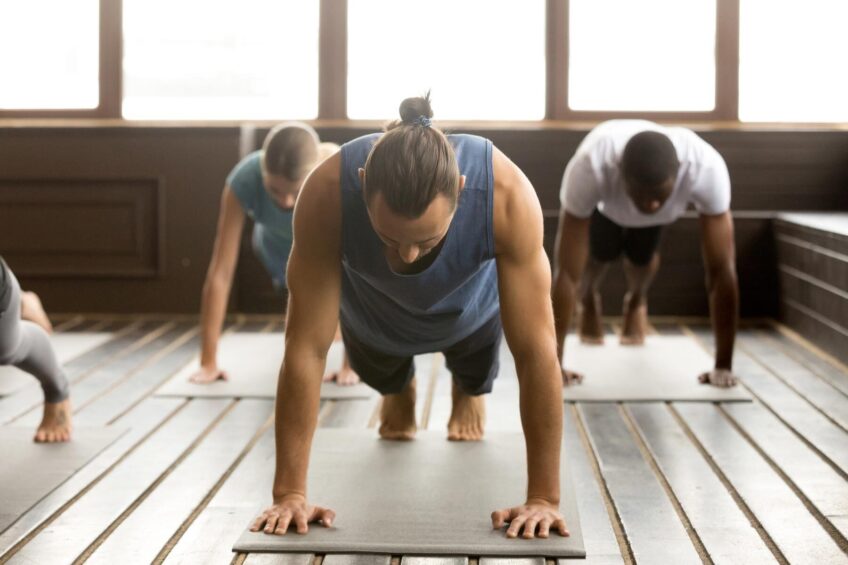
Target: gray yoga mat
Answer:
pixel 665 368
pixel 30 471
pixel 66 345
pixel 424 497
pixel 252 362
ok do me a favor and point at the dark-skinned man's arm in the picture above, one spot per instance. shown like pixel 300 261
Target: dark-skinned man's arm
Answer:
pixel 570 256
pixel 719 252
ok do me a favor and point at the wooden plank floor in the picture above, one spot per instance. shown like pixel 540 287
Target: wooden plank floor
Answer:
pixel 765 482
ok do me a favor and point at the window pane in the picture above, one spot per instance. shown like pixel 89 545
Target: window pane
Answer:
pixel 219 59
pixel 651 55
pixel 793 58
pixel 483 59
pixel 49 54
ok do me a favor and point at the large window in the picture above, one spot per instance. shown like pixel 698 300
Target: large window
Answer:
pixel 49 54
pixel 499 60
pixel 482 59
pixel 650 55
pixel 793 61
pixel 218 59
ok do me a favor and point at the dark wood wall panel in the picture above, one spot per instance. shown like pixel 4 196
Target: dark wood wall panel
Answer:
pixel 76 228
pixel 830 267
pixel 170 203
pixel 815 328
pixel 770 171
pixel 813 274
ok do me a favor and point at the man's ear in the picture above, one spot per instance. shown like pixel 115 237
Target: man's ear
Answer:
pixel 361 174
pixel 461 182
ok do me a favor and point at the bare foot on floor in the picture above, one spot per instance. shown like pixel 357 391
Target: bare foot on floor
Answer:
pixel 468 416
pixel 33 311
pixel 635 322
pixel 345 376
pixel 397 415
pixel 589 320
pixel 208 374
pixel 722 378
pixel 56 424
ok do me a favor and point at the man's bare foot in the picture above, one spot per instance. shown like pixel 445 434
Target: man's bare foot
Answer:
pixel 397 414
pixel 468 416
pixel 589 321
pixel 722 378
pixel 206 375
pixel 33 311
pixel 343 377
pixel 56 423
pixel 635 323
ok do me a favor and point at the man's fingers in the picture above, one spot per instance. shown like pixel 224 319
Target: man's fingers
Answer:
pixel 258 523
pixel 300 522
pixel 515 526
pixel 271 523
pixel 544 527
pixel 559 525
pixel 530 527
pixel 282 524
pixel 325 516
pixel 498 518
pixel 329 377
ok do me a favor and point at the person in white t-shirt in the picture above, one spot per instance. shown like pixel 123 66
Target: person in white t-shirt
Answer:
pixel 627 180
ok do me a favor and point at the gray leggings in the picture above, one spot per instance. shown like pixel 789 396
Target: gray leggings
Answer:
pixel 26 346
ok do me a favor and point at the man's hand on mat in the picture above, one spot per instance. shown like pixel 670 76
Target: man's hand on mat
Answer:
pixel 571 377
pixel 723 378
pixel 292 510
pixel 344 377
pixel 205 375
pixel 535 518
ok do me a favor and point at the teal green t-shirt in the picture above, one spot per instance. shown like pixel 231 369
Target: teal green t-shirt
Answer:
pixel 272 231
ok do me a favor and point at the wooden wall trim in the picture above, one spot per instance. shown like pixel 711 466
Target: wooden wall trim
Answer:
pixel 111 58
pixel 332 60
pixel 556 62
pixel 727 60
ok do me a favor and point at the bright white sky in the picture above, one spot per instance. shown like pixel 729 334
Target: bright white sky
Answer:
pixel 482 59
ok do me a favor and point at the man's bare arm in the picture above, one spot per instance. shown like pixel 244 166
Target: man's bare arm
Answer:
pixel 314 292
pixel 720 263
pixel 570 256
pixel 524 281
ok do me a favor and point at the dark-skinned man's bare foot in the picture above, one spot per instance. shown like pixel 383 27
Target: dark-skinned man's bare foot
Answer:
pixel 56 423
pixel 468 416
pixel 397 415
pixel 635 321
pixel 722 378
pixel 33 311
pixel 591 327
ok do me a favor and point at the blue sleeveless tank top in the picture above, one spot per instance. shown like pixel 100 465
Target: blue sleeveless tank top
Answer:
pixel 429 311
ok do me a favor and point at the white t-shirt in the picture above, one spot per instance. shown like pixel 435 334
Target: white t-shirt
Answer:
pixel 593 177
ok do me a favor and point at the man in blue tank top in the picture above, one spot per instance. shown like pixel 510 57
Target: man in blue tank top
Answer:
pixel 420 242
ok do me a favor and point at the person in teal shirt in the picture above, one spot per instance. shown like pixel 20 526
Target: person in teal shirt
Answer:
pixel 264 187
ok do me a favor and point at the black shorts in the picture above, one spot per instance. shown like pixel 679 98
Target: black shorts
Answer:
pixel 473 362
pixel 607 241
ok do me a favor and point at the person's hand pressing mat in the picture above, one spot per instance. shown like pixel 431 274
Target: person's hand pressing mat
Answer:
pixel 428 496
